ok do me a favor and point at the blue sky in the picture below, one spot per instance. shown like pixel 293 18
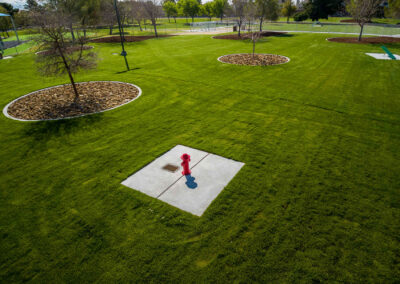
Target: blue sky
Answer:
pixel 16 3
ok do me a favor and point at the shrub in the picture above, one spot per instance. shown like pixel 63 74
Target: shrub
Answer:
pixel 301 16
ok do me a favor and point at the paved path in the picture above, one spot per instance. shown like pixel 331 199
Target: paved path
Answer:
pixel 12 43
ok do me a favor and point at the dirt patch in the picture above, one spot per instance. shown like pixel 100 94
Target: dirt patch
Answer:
pixel 68 50
pixel 58 102
pixel 257 60
pixel 111 39
pixel 365 40
pixel 244 36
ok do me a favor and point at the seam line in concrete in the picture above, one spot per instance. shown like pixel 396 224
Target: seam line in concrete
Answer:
pixel 181 176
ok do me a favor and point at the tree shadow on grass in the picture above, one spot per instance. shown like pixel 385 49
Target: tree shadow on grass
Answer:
pixel 286 35
pixel 38 134
pixel 125 71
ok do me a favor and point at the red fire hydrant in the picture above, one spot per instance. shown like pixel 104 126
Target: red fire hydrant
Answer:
pixel 185 164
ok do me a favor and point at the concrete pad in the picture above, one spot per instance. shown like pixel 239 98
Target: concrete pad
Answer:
pixel 383 56
pixel 192 193
pixel 153 180
pixel 209 178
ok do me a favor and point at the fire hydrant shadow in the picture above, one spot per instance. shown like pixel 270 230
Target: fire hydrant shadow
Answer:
pixel 190 181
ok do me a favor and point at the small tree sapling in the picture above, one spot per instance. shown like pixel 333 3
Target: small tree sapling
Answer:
pixel 63 55
pixel 362 11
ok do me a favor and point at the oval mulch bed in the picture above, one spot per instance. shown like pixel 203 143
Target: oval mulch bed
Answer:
pixel 111 39
pixel 58 102
pixel 248 35
pixel 259 59
pixel 68 50
pixel 374 40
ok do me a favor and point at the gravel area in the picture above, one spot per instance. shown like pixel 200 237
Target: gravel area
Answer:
pixel 257 60
pixel 364 40
pixel 58 102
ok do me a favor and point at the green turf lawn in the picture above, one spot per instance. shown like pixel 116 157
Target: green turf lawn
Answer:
pixel 318 198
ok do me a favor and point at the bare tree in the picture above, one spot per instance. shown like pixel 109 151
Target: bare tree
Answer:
pixel 251 13
pixel 63 55
pixel 153 11
pixel 69 9
pixel 137 12
pixel 239 11
pixel 362 11
pixel 123 11
pixel 108 16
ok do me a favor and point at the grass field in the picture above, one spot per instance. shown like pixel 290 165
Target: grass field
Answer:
pixel 317 200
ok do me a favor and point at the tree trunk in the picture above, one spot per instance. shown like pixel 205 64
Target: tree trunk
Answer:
pixel 84 32
pixel 192 19
pixel 254 47
pixel 123 32
pixel 175 19
pixel 240 26
pixel 111 29
pixel 140 26
pixel 361 32
pixel 72 31
pixel 169 20
pixel 261 22
pixel 287 19
pixel 69 74
pixel 155 28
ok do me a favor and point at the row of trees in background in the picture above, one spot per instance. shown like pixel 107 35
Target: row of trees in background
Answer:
pixel 193 8
pixel 83 14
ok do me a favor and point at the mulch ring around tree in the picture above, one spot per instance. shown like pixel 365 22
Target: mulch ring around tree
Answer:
pixel 58 102
pixel 259 59
pixel 365 40
pixel 111 39
pixel 68 50
pixel 244 36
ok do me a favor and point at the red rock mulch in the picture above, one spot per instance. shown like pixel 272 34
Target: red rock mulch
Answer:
pixel 350 21
pixel 247 35
pixel 58 102
pixel 111 39
pixel 257 60
pixel 374 40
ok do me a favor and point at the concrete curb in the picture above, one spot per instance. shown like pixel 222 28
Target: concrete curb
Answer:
pixel 5 109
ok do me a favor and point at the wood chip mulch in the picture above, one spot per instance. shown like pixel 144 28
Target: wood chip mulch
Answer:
pixel 58 102
pixel 244 36
pixel 365 40
pixel 258 60
pixel 111 39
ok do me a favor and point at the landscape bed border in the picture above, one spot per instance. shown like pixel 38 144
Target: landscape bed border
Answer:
pixel 5 109
pixel 219 59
